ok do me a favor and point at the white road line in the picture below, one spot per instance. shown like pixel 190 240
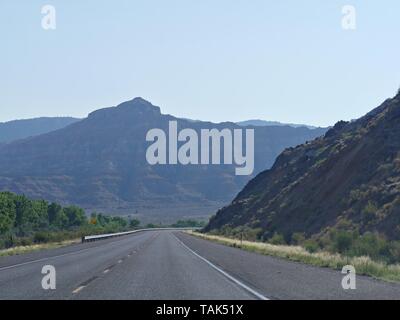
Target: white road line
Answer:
pixel 62 255
pixel 45 259
pixel 78 289
pixel 238 282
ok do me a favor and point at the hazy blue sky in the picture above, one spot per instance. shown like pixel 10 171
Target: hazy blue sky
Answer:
pixel 285 60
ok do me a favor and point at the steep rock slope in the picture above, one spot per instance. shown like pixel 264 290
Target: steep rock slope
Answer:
pixel 351 176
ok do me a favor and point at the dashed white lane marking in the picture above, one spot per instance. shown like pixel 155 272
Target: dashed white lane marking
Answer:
pixel 78 289
pixel 60 256
pixel 238 282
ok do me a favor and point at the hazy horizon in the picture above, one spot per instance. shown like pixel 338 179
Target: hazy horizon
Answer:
pixel 271 121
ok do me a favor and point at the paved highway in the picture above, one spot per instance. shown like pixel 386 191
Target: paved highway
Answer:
pixel 174 265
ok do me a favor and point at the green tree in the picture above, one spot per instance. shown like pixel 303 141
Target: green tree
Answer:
pixel 119 222
pixel 134 223
pixel 7 213
pixel 53 211
pixel 57 216
pixel 61 220
pixel 40 219
pixel 30 215
pixel 76 216
pixel 103 220
pixel 22 204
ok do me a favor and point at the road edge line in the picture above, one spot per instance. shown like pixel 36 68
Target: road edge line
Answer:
pixel 227 275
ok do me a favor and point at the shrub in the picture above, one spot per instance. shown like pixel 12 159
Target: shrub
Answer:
pixel 8 241
pixel 370 211
pixel 372 245
pixel 24 242
pixel 394 250
pixel 311 245
pixel 341 241
pixel 151 226
pixel 41 237
pixel 251 234
pixel 298 238
pixel 134 223
pixel 277 239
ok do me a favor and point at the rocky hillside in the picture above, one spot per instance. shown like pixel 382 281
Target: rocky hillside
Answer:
pixel 99 163
pixel 349 177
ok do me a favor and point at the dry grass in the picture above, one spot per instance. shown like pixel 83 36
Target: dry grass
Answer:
pixel 363 265
pixel 36 247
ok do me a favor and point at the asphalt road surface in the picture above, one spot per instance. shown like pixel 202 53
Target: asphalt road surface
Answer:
pixel 174 265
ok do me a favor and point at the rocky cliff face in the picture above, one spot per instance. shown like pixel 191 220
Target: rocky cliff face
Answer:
pixel 350 176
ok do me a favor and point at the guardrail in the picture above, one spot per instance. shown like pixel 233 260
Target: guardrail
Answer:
pixel 120 234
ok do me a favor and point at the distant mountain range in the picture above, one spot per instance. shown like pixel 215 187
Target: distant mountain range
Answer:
pixel 264 123
pixel 349 177
pixel 99 163
pixel 20 129
pixel 25 128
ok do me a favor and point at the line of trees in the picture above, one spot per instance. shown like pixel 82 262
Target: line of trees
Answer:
pixel 189 224
pixel 24 221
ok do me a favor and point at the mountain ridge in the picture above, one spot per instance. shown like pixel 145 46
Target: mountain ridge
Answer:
pixel 261 123
pixel 99 163
pixel 25 128
pixel 350 176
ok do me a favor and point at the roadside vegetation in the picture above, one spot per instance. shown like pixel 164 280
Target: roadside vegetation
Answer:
pixel 189 223
pixel 369 253
pixel 26 223
pixel 36 247
pixel 29 225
